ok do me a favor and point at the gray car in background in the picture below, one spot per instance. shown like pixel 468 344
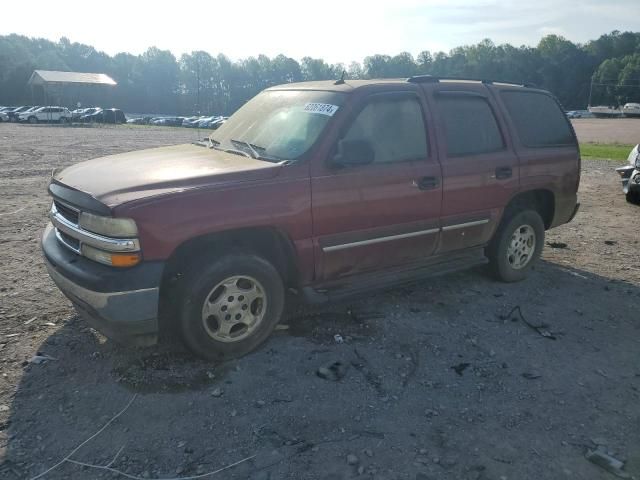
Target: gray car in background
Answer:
pixel 630 175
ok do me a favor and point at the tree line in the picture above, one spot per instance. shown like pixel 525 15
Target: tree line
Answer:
pixel 158 82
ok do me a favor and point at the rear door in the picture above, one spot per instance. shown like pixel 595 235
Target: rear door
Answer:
pixel 480 169
pixel 386 213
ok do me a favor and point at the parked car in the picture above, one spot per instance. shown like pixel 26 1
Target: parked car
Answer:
pixel 188 121
pixel 327 189
pixel 89 116
pixel 630 175
pixel 107 115
pixel 218 123
pixel 4 117
pixel 574 114
pixel 139 121
pixel 78 113
pixel 14 112
pixel 45 114
pixel 30 109
pixel 168 121
pixel 208 122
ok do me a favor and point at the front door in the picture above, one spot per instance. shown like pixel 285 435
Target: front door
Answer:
pixel 385 213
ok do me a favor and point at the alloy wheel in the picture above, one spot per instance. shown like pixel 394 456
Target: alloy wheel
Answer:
pixel 234 308
pixel 522 247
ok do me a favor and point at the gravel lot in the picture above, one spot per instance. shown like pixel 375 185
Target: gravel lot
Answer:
pixel 438 380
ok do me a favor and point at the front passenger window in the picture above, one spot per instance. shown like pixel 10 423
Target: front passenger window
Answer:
pixel 394 127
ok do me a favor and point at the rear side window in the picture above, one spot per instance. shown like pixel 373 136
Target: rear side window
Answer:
pixel 469 124
pixel 538 119
pixel 394 127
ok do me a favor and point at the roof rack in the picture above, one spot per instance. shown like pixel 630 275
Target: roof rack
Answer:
pixel 435 79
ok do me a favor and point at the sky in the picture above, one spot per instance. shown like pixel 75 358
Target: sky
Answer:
pixel 335 30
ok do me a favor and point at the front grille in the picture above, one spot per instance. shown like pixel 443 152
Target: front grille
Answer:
pixel 69 241
pixel 67 212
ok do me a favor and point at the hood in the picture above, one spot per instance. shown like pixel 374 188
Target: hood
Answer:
pixel 125 177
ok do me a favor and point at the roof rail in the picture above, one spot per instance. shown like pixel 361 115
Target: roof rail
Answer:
pixel 435 79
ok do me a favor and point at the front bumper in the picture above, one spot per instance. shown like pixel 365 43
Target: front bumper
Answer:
pixel 120 303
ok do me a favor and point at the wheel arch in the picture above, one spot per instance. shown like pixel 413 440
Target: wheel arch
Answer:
pixel 270 243
pixel 541 200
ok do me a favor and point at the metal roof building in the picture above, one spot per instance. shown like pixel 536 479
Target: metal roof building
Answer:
pixel 48 77
pixel 70 88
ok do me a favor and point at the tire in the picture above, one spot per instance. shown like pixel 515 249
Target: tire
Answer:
pixel 633 196
pixel 212 337
pixel 63 120
pixel 516 245
pixel 33 120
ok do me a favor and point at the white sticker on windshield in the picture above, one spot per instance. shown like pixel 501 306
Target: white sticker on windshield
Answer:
pixel 322 108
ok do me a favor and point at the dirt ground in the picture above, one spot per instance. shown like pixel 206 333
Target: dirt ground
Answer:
pixel 614 130
pixel 439 380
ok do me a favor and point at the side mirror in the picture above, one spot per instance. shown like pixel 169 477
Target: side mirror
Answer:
pixel 354 153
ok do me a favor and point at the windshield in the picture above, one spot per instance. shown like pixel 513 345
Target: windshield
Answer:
pixel 278 125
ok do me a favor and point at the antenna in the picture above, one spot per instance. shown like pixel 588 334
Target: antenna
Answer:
pixel 341 80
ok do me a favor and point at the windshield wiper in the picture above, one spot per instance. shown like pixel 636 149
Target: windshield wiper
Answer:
pixel 254 148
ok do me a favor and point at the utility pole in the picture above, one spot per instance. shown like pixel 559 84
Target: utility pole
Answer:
pixel 591 89
pixel 198 80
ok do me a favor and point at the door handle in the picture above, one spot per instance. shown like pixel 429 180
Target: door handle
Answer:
pixel 426 183
pixel 503 172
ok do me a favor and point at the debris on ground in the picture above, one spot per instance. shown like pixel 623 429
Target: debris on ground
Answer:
pixel 575 274
pixel 607 462
pixel 333 371
pixel 352 459
pixel 338 339
pixel 610 242
pixel 531 376
pixel 38 359
pixel 557 244
pixel 541 329
pixel 217 392
pixel 460 368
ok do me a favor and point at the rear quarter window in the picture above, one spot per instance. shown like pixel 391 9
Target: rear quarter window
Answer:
pixel 538 119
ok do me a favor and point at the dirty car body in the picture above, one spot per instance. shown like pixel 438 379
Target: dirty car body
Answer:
pixel 326 189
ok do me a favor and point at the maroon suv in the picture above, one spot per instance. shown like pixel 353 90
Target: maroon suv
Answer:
pixel 324 189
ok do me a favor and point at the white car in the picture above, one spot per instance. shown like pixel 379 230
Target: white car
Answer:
pixel 46 114
pixel 4 117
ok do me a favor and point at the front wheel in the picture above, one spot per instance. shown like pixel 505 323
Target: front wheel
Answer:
pixel 633 196
pixel 231 306
pixel 33 120
pixel 516 246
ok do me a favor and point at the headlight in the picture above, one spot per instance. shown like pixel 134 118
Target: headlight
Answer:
pixel 107 226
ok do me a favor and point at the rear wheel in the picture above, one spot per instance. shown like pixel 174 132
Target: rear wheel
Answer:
pixel 63 120
pixel 516 246
pixel 230 306
pixel 633 196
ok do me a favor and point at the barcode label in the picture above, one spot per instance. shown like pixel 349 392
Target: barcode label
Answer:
pixel 322 108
